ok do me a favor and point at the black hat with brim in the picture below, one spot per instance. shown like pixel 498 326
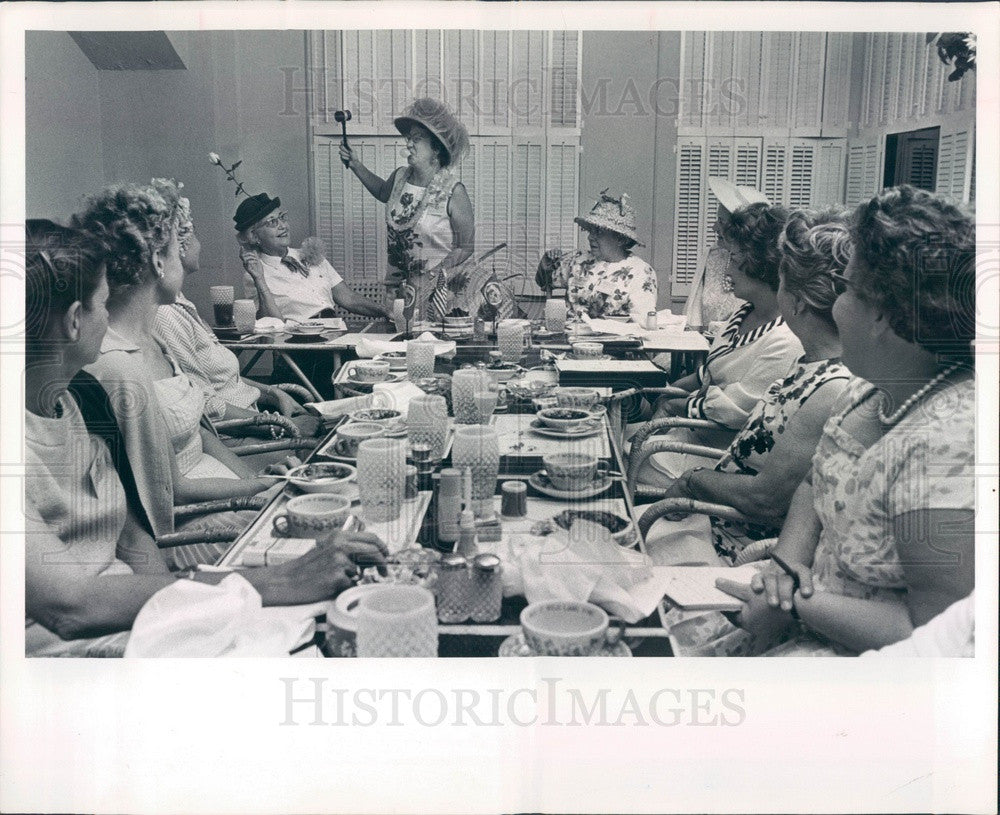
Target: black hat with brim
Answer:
pixel 253 209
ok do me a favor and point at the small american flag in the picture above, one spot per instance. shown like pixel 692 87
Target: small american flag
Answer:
pixel 440 298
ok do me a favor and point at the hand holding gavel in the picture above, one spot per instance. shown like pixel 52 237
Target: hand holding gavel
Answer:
pixel 343 116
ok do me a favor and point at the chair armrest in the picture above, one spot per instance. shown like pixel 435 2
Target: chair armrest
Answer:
pixel 296 391
pixel 637 457
pixel 259 420
pixel 758 550
pixel 222 534
pixel 688 505
pixel 238 504
pixel 274 446
pixel 628 393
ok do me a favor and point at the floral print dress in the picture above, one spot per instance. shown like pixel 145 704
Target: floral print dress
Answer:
pixel 600 288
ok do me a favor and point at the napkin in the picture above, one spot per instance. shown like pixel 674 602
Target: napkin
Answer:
pixel 194 619
pixel 395 395
pixel 368 348
pixel 585 564
pixel 667 323
pixel 267 325
pixel 334 408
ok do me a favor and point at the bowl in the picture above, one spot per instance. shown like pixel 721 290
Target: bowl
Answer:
pixel 564 628
pixel 322 477
pixel 382 416
pixel 564 418
pixel 503 372
pixel 396 360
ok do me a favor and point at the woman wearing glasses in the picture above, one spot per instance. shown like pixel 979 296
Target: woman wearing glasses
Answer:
pixel 288 283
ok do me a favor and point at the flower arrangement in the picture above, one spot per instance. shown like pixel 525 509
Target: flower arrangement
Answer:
pixel 229 171
pixel 312 251
pixel 957 49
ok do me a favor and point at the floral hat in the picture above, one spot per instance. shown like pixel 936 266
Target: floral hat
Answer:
pixel 614 213
pixel 440 121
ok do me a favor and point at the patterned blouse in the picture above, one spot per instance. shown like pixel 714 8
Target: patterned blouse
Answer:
pixel 597 288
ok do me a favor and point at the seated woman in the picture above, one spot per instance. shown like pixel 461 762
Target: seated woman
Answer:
pixel 200 354
pixel 772 452
pixel 156 404
pixel 608 280
pixel 90 560
pixel 755 348
pixel 290 284
pixel 881 535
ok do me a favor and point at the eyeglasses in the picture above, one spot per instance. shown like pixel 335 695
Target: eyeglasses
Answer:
pixel 840 283
pixel 274 220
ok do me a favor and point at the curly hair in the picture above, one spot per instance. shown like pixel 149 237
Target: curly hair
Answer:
pixel 62 266
pixel 916 256
pixel 753 231
pixel 171 190
pixel 132 224
pixel 812 245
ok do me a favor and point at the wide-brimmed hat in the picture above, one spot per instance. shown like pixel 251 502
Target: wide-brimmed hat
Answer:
pixel 732 197
pixel 440 121
pixel 254 208
pixel 614 213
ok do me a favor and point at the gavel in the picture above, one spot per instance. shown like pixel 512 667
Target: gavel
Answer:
pixel 343 116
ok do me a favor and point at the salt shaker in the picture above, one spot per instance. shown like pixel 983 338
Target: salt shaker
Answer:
pixel 651 322
pixel 486 589
pixel 453 589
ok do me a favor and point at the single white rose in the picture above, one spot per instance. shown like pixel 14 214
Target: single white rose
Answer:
pixel 214 158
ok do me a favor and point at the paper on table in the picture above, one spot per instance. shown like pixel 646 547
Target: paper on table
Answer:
pixel 395 395
pixel 334 408
pixel 667 323
pixel 368 348
pixel 693 587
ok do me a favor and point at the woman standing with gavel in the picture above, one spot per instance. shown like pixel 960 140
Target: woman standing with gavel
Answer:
pixel 429 218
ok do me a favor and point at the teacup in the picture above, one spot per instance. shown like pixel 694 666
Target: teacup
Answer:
pixel 585 398
pixel 564 628
pixel 350 435
pixel 573 471
pixel 313 516
pixel 563 418
pixel 369 370
pixel 588 350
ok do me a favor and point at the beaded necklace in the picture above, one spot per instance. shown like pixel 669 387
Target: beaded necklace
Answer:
pixel 904 408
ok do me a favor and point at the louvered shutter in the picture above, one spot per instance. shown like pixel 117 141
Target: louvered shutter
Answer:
pixel 323 74
pixel 747 170
pixel 360 78
pixel 746 75
pixel 428 71
pixel 692 78
pixel 564 68
pixel 807 101
pixel 889 104
pixel 527 205
pixel 837 84
pixel 461 69
pixel 526 69
pixel 828 176
pixel 492 195
pixel 800 175
pixel 864 170
pixel 955 164
pixel 363 214
pixel 774 171
pixel 495 46
pixel 720 165
pixel 689 213
pixel 775 80
pixel 394 76
pixel 328 187
pixel 719 114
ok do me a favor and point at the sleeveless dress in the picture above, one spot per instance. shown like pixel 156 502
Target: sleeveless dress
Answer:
pixel 419 233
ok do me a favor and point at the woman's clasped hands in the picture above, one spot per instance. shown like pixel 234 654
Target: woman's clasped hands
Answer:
pixel 769 599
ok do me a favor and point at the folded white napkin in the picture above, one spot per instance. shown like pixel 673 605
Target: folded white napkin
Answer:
pixel 666 321
pixel 394 395
pixel 585 564
pixel 368 348
pixel 193 619
pixel 268 324
pixel 334 408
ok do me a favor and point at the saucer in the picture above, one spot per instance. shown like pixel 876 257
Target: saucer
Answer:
pixel 585 430
pixel 541 482
pixel 350 490
pixel 515 646
pixel 394 376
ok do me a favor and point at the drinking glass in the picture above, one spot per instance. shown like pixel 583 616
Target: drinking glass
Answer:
pixel 222 304
pixel 397 621
pixel 486 403
pixel 419 359
pixel 464 384
pixel 555 315
pixel 381 478
pixel 244 314
pixel 476 448
pixel 510 340
pixel 427 422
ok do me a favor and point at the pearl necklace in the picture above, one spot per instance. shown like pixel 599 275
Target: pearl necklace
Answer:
pixel 901 411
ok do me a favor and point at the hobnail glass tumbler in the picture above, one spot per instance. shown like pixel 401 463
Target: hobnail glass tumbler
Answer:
pixel 476 448
pixel 510 340
pixel 381 478
pixel 555 315
pixel 464 384
pixel 419 359
pixel 427 422
pixel 397 621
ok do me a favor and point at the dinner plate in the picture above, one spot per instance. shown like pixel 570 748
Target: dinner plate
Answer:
pixel 589 429
pixel 541 482
pixel 515 646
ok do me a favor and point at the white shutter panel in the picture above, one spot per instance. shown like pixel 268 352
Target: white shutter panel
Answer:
pixel 954 165
pixel 563 195
pixel 492 200
pixel 687 224
pixel 807 100
pixel 527 205
pixel 890 81
pixel 360 79
pixel 363 254
pixel 323 74
pixel 908 57
pixel 800 175
pixel 394 77
pixel 719 114
pixel 775 88
pixel 747 61
pixel 864 170
pixel 747 170
pixel 428 72
pixel 564 68
pixel 837 84
pixel 526 72
pixel 692 78
pixel 775 171
pixel 828 176
pixel 720 165
pixel 329 189
pixel 495 85
pixel 460 55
